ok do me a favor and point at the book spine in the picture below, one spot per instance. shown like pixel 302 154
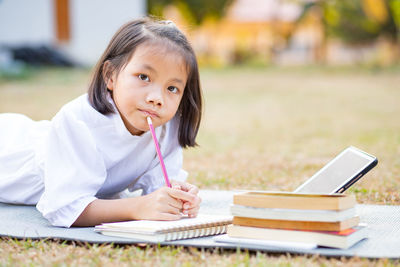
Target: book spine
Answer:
pixel 287 202
pixel 297 225
pixel 292 214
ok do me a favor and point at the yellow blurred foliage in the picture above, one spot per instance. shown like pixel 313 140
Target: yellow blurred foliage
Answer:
pixel 376 10
pixel 230 40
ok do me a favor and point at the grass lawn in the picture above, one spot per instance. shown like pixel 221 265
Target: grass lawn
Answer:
pixel 263 128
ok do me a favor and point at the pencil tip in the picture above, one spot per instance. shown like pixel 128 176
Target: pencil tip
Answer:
pixel 149 120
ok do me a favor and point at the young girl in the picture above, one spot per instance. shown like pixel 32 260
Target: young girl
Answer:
pixel 74 166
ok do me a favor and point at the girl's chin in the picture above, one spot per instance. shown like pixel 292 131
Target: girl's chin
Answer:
pixel 137 130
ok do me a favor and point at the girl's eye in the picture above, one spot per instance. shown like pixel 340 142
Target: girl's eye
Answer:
pixel 173 89
pixel 144 77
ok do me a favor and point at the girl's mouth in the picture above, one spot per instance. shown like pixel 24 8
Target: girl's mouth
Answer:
pixel 150 113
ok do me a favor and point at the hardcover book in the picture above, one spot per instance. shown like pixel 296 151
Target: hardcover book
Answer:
pixel 297 225
pixel 336 239
pixel 288 200
pixel 293 214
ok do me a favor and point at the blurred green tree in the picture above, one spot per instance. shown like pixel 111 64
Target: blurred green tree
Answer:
pixel 194 11
pixel 395 11
pixel 358 21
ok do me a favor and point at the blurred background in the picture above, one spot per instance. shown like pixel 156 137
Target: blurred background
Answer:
pixel 287 84
pixel 223 32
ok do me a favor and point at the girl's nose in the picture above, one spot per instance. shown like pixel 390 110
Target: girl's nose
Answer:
pixel 155 96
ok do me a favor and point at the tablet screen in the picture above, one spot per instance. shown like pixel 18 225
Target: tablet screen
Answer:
pixel 348 165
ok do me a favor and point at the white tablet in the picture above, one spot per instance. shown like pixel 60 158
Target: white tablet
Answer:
pixel 340 173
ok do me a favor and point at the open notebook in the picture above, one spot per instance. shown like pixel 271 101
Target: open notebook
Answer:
pixel 161 231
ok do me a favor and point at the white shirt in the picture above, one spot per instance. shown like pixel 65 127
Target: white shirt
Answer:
pixel 80 155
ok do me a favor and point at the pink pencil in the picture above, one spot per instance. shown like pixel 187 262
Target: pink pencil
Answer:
pixel 153 134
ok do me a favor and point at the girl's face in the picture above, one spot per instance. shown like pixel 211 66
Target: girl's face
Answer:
pixel 151 84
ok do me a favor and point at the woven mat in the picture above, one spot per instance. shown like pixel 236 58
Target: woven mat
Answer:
pixel 25 222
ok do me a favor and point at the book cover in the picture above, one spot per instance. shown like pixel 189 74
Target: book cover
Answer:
pixel 335 239
pixel 293 214
pixel 297 225
pixel 288 200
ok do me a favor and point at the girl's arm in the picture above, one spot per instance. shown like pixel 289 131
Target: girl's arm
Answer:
pixel 163 204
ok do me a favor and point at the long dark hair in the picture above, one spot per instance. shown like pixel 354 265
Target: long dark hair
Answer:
pixel 119 51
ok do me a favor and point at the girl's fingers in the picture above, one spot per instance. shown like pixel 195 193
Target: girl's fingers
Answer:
pixel 171 210
pixel 177 186
pixel 182 195
pixel 176 203
pixel 181 201
pixel 192 215
pixel 191 208
pixel 191 212
pixel 189 205
pixel 192 189
pixel 170 206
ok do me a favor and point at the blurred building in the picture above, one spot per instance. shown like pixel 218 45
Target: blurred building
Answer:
pixel 80 28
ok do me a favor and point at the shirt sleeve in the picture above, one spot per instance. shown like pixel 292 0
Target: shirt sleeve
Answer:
pixel 74 170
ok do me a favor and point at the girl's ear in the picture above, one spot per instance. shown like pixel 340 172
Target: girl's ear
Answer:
pixel 108 76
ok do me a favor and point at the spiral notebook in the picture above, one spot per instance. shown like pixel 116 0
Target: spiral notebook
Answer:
pixel 161 231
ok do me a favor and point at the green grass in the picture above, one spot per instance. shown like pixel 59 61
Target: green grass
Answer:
pixel 263 128
pixel 54 253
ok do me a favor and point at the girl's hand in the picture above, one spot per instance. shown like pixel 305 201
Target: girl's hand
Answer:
pixel 163 204
pixel 190 208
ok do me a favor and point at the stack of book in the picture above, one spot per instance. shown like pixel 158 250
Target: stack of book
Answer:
pixel 323 220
